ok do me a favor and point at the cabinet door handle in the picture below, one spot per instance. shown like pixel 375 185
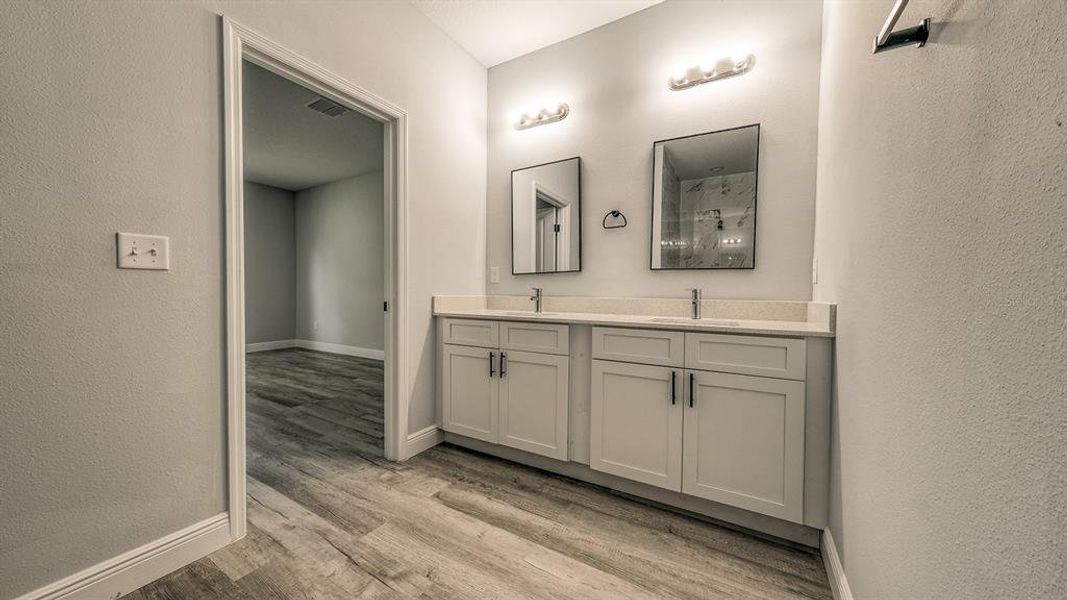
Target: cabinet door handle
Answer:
pixel 503 365
pixel 491 356
pixel 674 397
pixel 691 386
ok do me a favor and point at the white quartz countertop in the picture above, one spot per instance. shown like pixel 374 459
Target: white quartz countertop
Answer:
pixel 716 325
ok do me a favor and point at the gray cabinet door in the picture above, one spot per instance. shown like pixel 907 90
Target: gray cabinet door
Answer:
pixel 548 338
pixel 783 358
pixel 636 428
pixel 744 442
pixel 468 391
pixel 641 346
pixel 470 332
pixel 534 402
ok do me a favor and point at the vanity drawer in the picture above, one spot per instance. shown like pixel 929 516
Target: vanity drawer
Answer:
pixel 642 346
pixel 783 358
pixel 470 332
pixel 547 338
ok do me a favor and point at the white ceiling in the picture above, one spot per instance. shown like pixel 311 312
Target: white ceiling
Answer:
pixel 495 31
pixel 289 146
pixel 734 150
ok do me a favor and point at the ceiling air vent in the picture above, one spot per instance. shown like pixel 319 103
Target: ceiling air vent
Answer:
pixel 327 107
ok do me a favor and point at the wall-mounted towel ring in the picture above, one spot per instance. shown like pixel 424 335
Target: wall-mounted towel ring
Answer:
pixel 615 215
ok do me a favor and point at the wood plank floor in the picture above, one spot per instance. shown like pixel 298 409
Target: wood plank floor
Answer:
pixel 329 517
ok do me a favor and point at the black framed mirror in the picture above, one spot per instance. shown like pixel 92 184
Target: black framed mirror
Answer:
pixel 704 200
pixel 546 218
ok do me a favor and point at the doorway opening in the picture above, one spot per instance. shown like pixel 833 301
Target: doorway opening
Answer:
pixel 552 226
pixel 314 227
pixel 315 196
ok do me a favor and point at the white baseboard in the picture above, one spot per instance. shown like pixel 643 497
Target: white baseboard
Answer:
pixel 834 570
pixel 341 349
pixel 423 440
pixel 127 572
pixel 275 345
pixel 316 345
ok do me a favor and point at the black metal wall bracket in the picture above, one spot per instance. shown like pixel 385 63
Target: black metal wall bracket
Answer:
pixel 888 39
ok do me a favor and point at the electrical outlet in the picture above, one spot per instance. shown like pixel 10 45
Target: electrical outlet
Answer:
pixel 315 325
pixel 494 274
pixel 137 251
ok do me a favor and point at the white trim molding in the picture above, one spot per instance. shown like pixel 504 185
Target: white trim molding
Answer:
pixel 240 43
pixel 127 572
pixel 835 571
pixel 232 55
pixel 371 353
pixel 266 346
pixel 340 349
pixel 423 440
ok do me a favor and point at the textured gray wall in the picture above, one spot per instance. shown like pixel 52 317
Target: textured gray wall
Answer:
pixel 340 256
pixel 615 80
pixel 270 264
pixel 112 383
pixel 942 234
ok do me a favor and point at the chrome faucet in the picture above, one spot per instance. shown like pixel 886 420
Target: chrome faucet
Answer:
pixel 695 296
pixel 536 297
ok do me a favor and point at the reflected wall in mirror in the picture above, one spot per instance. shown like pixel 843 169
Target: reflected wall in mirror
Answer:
pixel 704 200
pixel 546 218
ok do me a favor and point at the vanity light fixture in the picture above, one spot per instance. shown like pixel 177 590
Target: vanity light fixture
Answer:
pixel 543 117
pixel 725 67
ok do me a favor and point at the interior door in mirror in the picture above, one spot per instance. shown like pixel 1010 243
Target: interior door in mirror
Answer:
pixel 546 223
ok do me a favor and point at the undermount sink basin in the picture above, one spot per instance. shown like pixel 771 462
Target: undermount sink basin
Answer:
pixel 520 313
pixel 716 322
pixel 675 320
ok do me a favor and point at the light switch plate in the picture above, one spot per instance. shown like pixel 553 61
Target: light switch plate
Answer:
pixel 494 274
pixel 137 251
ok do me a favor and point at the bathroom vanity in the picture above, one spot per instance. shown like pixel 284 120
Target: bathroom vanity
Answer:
pixel 725 416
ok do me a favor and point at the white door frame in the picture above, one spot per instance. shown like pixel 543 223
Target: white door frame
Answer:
pixel 241 43
pixel 562 243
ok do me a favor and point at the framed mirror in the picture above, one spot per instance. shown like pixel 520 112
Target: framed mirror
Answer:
pixel 546 218
pixel 704 200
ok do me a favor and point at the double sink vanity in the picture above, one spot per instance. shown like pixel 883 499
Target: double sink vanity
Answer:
pixel 717 407
pixel 725 415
